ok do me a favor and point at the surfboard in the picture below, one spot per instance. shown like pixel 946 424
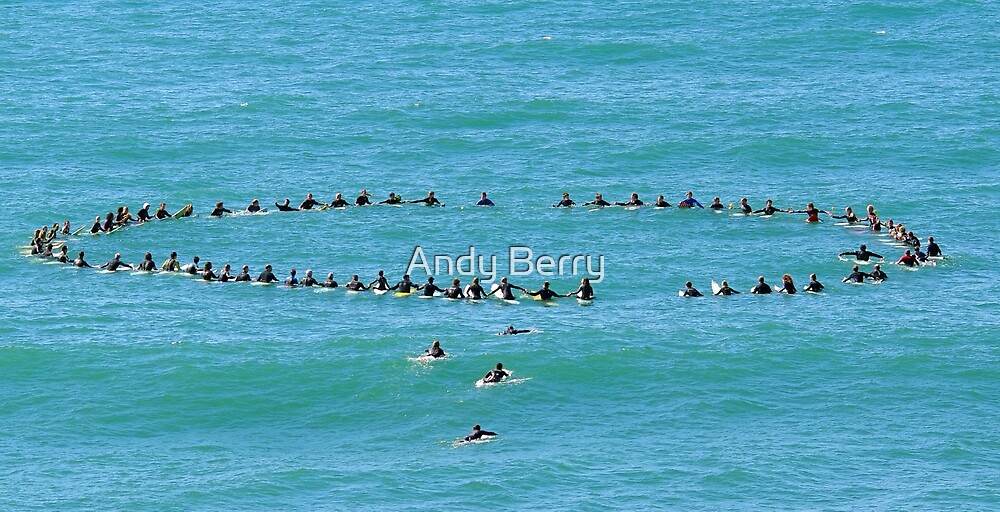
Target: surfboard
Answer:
pixel 402 294
pixel 715 287
pixel 481 440
pixel 380 291
pixel 79 230
pixel 680 293
pixel 183 212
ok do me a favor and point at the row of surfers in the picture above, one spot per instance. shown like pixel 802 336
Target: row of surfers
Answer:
pixel 474 291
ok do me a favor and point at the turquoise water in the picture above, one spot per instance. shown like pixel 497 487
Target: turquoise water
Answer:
pixel 157 392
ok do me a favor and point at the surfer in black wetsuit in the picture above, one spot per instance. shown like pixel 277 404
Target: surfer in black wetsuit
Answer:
pixel 761 288
pixel 227 274
pixel 143 214
pixel 848 215
pixel 598 201
pixel 690 291
pixel 309 280
pixel 745 206
pixel 478 433
pixel 633 200
pixel 429 288
pixel 192 268
pixel 485 201
pixel 161 212
pixel 254 206
pixel 862 255
pixel 565 202
pixel 116 263
pixel 147 264
pixel 171 265
pixel 504 290
pixel 661 202
pixel 475 291
pixel 405 286
pixel 877 273
pixel 219 210
pixel 787 285
pixel 244 275
pixel 545 293
pixel 435 350
pixel 291 280
pixel 933 250
pixel 496 375
pixel 285 206
pixel 430 200
pixel 65 229
pixel 393 199
pixel 511 330
pixel 267 276
pixel 380 282
pixel 330 283
pixel 455 290
pixel 354 285
pixel 309 203
pixel 63 257
pixel 362 199
pixel 339 202
pixel 80 262
pixel 727 290
pixel 768 208
pixel 207 274
pixel 717 204
pixel 96 227
pixel 109 222
pixel 856 276
pixel 585 291
pixel 814 284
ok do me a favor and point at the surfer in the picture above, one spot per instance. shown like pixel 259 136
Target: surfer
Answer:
pixel 496 375
pixel 143 214
pixel 147 264
pixel 380 282
pixel 717 204
pixel 787 285
pixel 393 199
pixel 872 218
pixel 585 291
pixel 504 290
pixel 244 275
pixel 291 280
pixel 80 262
pixel 725 289
pixel 690 291
pixel 354 285
pixel 545 293
pixel 455 290
pixel 661 202
pixel 96 227
pixel 219 210
pixel 267 276
pixel 435 350
pixel 814 285
pixel 285 206
pixel 254 206
pixel 863 254
pixel 330 283
pixel 309 203
pixel 908 259
pixel 565 202
pixel 877 273
pixel 362 199
pixel 633 200
pixel 856 276
pixel 405 285
pixel 65 229
pixel 338 201
pixel 430 200
pixel 115 263
pixel 192 268
pixel 309 280
pixel 207 274
pixel 745 206
pixel 933 250
pixel 511 331
pixel 478 433
pixel 161 212
pixel 475 291
pixel 429 288
pixel 768 208
pixel 484 201
pixel 63 256
pixel 689 201
pixel 598 201
pixel 227 274
pixel 109 223
pixel 812 213
pixel 761 288
pixel 848 215
pixel 171 264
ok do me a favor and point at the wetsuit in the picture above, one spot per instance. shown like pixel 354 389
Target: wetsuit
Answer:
pixel 162 213
pixel 429 201
pixel 454 292
pixel 485 202
pixel 768 210
pixel 362 201
pixel 598 202
pixel 429 289
pixel 309 281
pixel 689 202
pixel 356 286
pixel 851 219
pixel 339 203
pixel 505 291
pixel 108 225
pixel 879 275
pixel 584 292
pixel 479 434
pixel 225 276
pixel 147 266
pixel 267 277
pixel 545 294
pixel 662 204
pixel 857 277
pixel 242 277
pixel 218 211
pixel 285 208
pixel 565 202
pixel 171 265
pixel 193 268
pixel 813 286
pixel 144 215
pixel 253 208
pixel 96 228
pixel 637 202
pixel 761 289
pixel 63 258
pixel 208 275
pixel 788 288
pixel 82 263
pixel 380 283
pixel 291 281
pixel 933 249
pixel 392 200
pixel 475 292
pixel 746 208
pixel 330 283
pixel 495 376
pixel 435 352
pixel 308 204
pixel 860 255
pixel 515 331
pixel 404 286
pixel 114 264
pixel 727 291
pixel 691 292
pixel 717 206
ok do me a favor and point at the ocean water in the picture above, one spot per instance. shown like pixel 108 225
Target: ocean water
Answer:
pixel 159 392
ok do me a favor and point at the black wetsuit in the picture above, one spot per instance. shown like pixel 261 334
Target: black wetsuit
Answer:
pixel 476 291
pixel 208 275
pixel 362 201
pixel 545 294
pixel 435 352
pixel 380 283
pixel 479 434
pixel 193 269
pixel 357 286
pixel 253 208
pixel 860 255
pixel 454 292
pixel 267 277
pixel 392 200
pixel 144 215
pixel 330 283
pixel 308 204
pixel 746 208
pixel 285 208
pixel 851 219
pixel 717 206
pixel 404 286
pixel 933 249
pixel 788 288
pixel 727 291
pixel 515 331
pixel 565 202
pixel 878 275
pixel 495 376
pixel 309 281
pixel 63 258
pixel 162 214
pixel 339 203
pixel 505 291
pixel 761 289
pixel 80 262
pixel 114 264
pixel 108 225
pixel 428 289
pixel 218 211
pixel 585 292
pixel 662 204
pixel 242 277
pixel 429 201
pixel 96 228
pixel 147 266
pixel 691 292
pixel 857 277
pixel 225 277
pixel 768 210
pixel 814 286
pixel 598 202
